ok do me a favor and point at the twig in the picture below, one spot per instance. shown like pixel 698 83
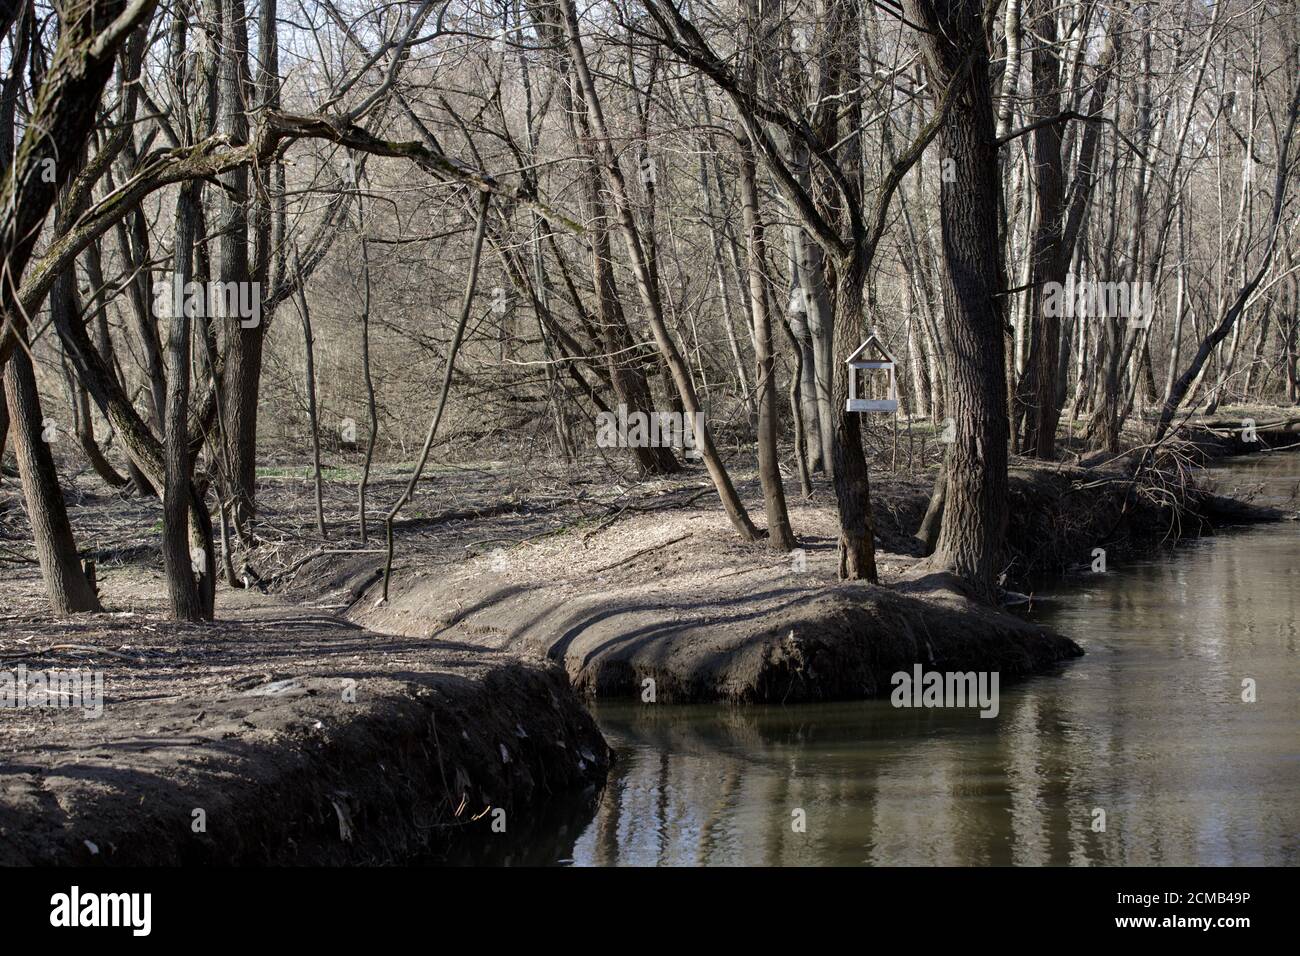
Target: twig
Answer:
pixel 636 554
pixel 86 648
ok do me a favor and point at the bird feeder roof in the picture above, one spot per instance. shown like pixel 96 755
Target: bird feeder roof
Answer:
pixel 863 358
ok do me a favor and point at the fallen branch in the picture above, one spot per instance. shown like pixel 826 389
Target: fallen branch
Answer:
pixel 83 648
pixel 636 554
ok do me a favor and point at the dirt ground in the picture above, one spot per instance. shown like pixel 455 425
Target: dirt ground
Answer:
pixel 541 560
pixel 675 598
pixel 275 705
pixel 501 574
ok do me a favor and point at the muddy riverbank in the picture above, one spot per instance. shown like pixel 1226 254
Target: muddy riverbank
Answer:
pixel 278 737
pixel 512 599
pixel 670 604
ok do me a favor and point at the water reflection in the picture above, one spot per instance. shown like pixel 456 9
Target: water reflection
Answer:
pixel 1149 727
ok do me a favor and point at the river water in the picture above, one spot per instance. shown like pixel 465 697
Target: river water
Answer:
pixel 1142 752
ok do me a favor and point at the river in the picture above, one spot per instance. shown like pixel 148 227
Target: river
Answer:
pixel 1143 752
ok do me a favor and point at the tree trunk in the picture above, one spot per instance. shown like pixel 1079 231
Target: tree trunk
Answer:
pixel 85 424
pixel 928 533
pixel 183 563
pixel 1047 256
pixel 821 329
pixel 1180 311
pixel 780 534
pixel 915 352
pixel 309 349
pixel 857 546
pixel 371 412
pixel 797 412
pixel 4 428
pixel 243 370
pixel 811 264
pixel 798 311
pixel 1292 353
pixel 188 557
pixel 104 345
pixel 975 512
pixel 56 549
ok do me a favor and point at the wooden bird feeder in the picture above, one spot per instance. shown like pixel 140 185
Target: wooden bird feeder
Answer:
pixel 875 366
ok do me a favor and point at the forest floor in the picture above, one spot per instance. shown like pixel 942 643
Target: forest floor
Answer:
pixel 506 577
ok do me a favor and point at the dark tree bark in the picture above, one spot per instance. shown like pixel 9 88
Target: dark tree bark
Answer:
pixel 928 533
pixel 268 214
pixel 104 345
pixel 798 409
pixel 188 556
pixel 626 365
pixel 63 114
pixel 242 374
pixel 975 509
pixel 85 428
pixel 805 360
pixel 56 549
pixel 849 465
pixel 1037 397
pixel 90 35
pixel 183 565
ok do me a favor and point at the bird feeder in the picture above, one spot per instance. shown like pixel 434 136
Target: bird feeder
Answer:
pixel 872 369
